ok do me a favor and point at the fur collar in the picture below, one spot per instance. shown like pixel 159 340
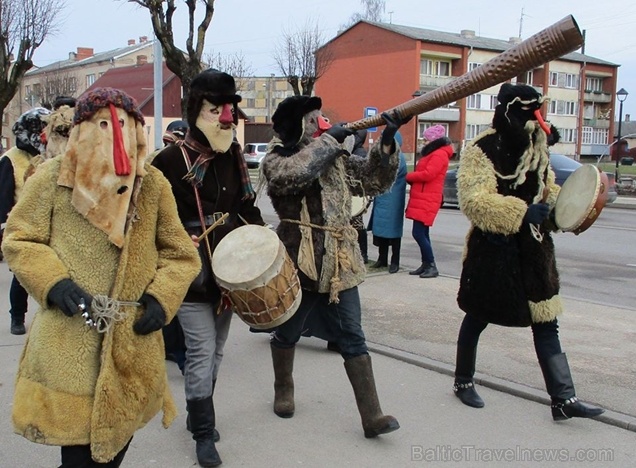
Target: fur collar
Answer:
pixel 435 145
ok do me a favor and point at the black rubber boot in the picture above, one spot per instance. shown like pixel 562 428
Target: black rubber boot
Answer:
pixel 430 272
pixel 558 382
pixel 464 386
pixel 202 422
pixel 396 244
pixel 420 269
pixel 383 256
pixel 217 436
pixel 17 325
pixel 283 360
pixel 360 373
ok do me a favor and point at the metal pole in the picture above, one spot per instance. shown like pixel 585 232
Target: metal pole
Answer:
pixel 618 140
pixel 158 92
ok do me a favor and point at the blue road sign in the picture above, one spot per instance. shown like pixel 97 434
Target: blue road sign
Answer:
pixel 370 112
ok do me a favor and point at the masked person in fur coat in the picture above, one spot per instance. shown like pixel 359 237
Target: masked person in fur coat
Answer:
pixel 209 177
pixel 311 174
pixel 58 126
pixel 15 167
pixel 509 277
pixel 95 238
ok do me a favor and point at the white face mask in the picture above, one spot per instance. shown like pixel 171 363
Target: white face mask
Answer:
pixel 217 124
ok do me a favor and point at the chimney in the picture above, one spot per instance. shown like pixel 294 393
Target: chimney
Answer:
pixel 72 56
pixel 142 59
pixel 626 117
pixel 143 39
pixel 514 40
pixel 131 42
pixel 467 33
pixel 84 53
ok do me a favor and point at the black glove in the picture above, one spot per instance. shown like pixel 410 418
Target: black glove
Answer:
pixel 68 296
pixel 393 123
pixel 339 132
pixel 153 318
pixel 537 213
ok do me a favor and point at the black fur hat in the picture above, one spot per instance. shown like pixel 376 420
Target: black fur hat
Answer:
pixel 63 101
pixel 215 86
pixel 288 117
pixel 508 92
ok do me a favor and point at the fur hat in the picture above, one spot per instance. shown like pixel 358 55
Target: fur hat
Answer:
pixel 28 128
pixel 508 92
pixel 63 101
pixel 90 102
pixel 288 117
pixel 214 86
pixel 435 132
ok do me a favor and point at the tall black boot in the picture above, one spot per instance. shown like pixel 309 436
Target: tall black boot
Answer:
pixel 202 422
pixel 464 386
pixel 396 245
pixel 217 436
pixel 383 255
pixel 558 382
pixel 360 375
pixel 283 360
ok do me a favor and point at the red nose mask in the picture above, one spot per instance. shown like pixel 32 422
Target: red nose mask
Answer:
pixel 120 157
pixel 542 124
pixel 226 117
pixel 323 126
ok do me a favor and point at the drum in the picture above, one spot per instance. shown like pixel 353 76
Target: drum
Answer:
pixel 581 199
pixel 359 205
pixel 254 271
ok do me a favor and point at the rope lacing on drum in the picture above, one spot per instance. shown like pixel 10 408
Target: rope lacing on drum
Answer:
pixel 342 259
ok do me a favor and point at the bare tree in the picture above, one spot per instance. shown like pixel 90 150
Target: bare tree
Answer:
pixel 57 82
pixel 24 25
pixel 234 64
pixel 372 11
pixel 296 58
pixel 185 64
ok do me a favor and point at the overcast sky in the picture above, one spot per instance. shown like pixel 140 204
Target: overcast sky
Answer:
pixel 252 27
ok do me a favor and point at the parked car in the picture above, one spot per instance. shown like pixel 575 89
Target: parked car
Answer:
pixel 562 165
pixel 254 154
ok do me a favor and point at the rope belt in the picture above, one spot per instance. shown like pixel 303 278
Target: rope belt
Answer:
pixel 104 311
pixel 342 259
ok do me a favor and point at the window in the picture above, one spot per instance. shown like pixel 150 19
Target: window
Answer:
pixel 472 130
pixel 593 84
pixel 568 135
pixel 90 79
pixel 249 102
pixel 493 102
pixel 569 108
pixel 554 79
pixel 435 67
pixel 594 136
pixel 552 107
pixel 473 65
pixel 27 89
pixel 473 101
pixel 571 81
pixel 72 84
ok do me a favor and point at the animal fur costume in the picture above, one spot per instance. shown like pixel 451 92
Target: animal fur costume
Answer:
pixel 58 126
pixel 76 386
pixel 509 277
pixel 311 180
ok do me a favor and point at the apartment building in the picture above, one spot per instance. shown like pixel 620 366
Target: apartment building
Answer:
pixel 261 95
pixel 71 77
pixel 379 66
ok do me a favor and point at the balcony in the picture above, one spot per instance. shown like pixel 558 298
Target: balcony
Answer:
pixel 596 123
pixel 441 114
pixel 597 96
pixel 428 81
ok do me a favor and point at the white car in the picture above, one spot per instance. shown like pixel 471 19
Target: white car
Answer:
pixel 254 154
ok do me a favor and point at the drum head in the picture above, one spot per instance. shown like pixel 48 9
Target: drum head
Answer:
pixel 358 205
pixel 245 254
pixel 577 197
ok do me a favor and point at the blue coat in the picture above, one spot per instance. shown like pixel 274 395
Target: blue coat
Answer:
pixel 387 215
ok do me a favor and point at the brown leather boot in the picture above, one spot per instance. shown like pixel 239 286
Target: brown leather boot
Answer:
pixel 360 375
pixel 283 360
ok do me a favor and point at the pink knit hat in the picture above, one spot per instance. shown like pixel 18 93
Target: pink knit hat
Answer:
pixel 434 132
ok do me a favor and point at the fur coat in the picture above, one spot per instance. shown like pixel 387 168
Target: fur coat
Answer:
pixel 74 385
pixel 508 276
pixel 315 185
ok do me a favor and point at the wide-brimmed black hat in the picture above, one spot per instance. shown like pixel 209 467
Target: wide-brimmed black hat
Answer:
pixel 288 117
pixel 216 87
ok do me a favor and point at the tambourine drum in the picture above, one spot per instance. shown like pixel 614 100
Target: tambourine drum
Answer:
pixel 359 205
pixel 253 269
pixel 581 199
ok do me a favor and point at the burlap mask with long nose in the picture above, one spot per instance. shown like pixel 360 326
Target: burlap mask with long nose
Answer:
pixel 104 158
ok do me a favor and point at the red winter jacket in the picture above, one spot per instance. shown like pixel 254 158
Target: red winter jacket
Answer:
pixel 427 181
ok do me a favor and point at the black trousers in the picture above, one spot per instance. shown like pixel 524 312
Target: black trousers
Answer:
pixel 79 456
pixel 18 299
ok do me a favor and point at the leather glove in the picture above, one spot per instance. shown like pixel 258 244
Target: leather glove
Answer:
pixel 339 133
pixel 393 123
pixel 153 318
pixel 537 213
pixel 68 296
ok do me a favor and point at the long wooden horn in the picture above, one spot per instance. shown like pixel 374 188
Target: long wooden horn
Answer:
pixel 551 43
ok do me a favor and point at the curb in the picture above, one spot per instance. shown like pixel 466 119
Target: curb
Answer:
pixel 613 418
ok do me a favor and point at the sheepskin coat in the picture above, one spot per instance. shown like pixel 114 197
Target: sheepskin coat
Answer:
pixel 74 385
pixel 324 178
pixel 427 181
pixel 508 276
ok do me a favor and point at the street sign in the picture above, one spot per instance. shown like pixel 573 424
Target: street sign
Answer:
pixel 370 112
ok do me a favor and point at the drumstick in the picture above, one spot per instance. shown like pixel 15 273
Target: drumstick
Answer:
pixel 211 228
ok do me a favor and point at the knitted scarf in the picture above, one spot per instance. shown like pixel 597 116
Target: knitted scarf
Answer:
pixel 206 154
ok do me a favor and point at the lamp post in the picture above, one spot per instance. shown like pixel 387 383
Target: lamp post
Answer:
pixel 415 94
pixel 621 95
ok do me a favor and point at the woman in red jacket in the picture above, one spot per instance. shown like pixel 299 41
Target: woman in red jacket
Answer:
pixel 425 199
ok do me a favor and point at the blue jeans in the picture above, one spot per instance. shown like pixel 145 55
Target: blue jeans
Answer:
pixel 423 239
pixel 337 322
pixel 205 334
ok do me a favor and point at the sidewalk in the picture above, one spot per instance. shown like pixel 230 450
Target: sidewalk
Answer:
pixel 411 328
pixel 623 202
